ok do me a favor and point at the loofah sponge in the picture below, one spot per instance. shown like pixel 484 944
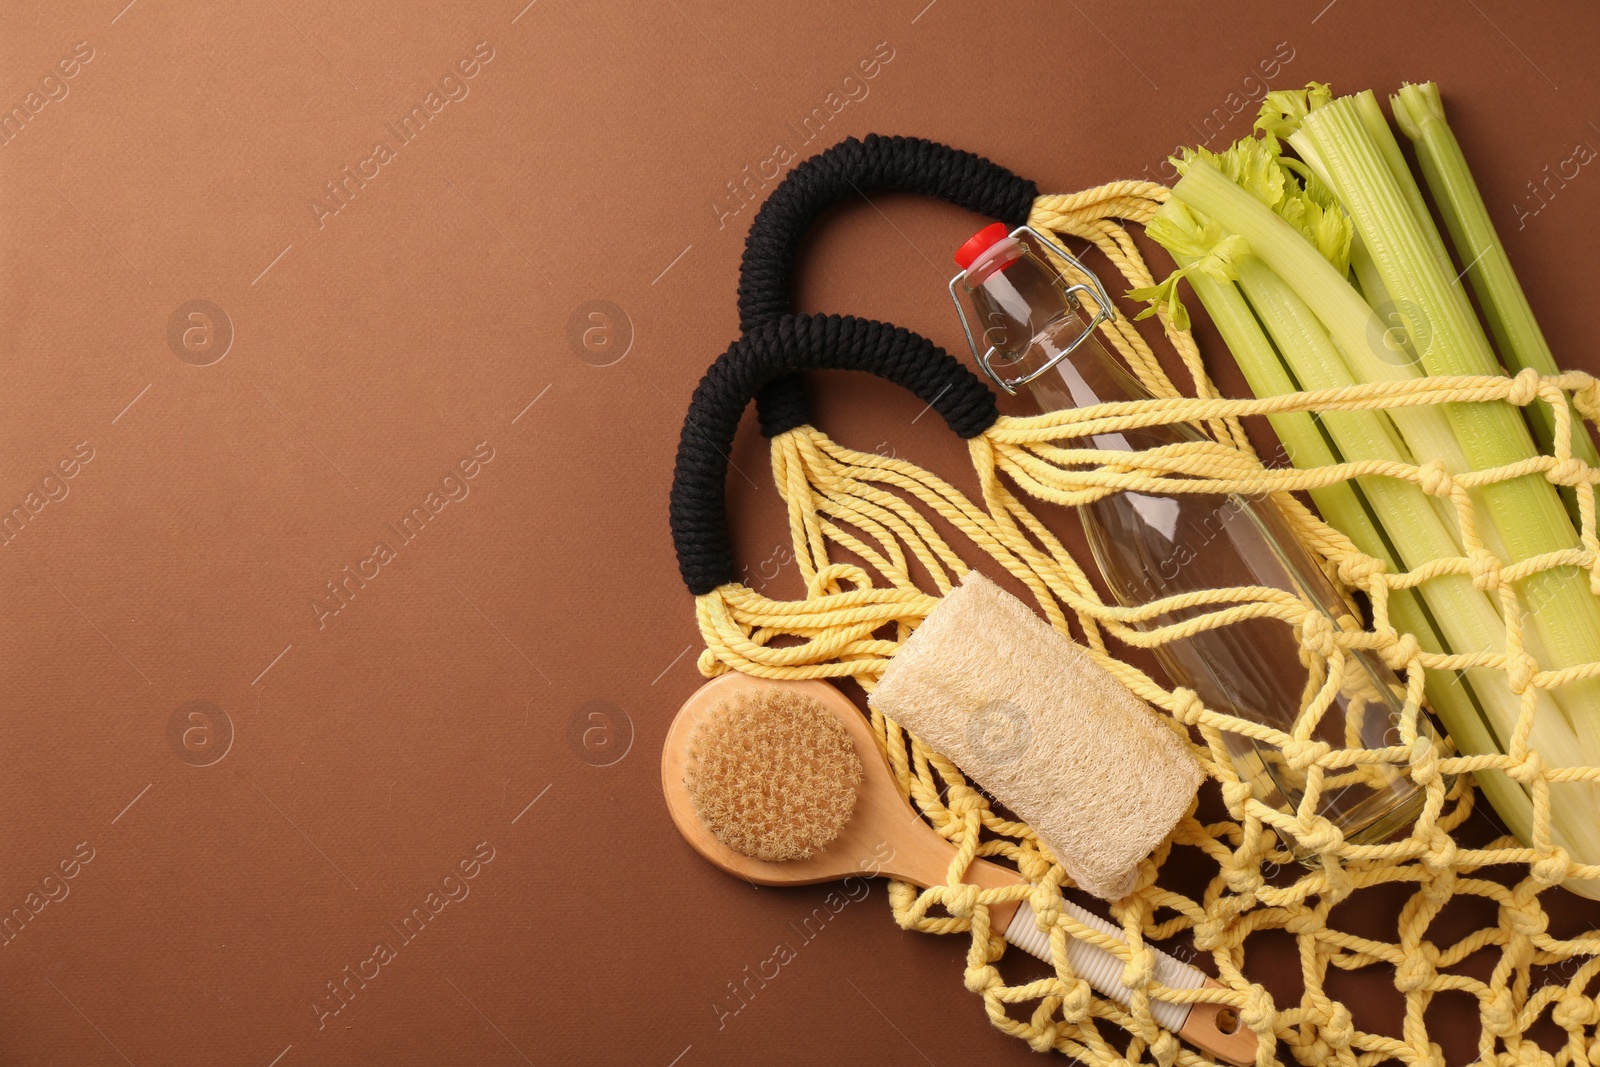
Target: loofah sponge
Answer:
pixel 773 775
pixel 1029 716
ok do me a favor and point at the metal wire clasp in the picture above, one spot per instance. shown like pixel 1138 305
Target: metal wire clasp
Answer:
pixel 1104 313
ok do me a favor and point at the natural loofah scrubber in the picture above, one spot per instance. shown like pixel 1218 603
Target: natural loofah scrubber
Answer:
pixel 1028 715
pixel 773 774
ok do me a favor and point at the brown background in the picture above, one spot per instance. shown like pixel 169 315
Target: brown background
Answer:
pixel 372 353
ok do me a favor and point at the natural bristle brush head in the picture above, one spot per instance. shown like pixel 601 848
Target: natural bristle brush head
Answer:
pixel 772 773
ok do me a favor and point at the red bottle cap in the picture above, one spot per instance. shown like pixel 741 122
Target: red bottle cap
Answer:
pixel 981 242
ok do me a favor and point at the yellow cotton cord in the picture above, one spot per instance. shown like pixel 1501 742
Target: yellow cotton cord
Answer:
pixel 872 538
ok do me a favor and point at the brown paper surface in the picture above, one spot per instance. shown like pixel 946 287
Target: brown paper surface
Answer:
pixel 337 667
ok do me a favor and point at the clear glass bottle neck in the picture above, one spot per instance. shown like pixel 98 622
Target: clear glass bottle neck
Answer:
pixel 1086 376
pixel 1036 330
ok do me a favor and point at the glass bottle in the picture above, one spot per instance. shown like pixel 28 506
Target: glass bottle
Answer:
pixel 1150 546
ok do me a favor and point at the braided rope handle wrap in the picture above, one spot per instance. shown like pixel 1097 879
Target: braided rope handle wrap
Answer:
pixel 852 169
pixel 785 346
pixel 870 543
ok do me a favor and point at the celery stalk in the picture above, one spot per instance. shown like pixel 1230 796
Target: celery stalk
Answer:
pixel 1369 280
pixel 1354 326
pixel 1292 129
pixel 1454 699
pixel 1464 614
pixel 1396 344
pixel 1371 114
pixel 1526 513
pixel 1419 111
pixel 1342 504
pixel 1566 628
pixel 1339 505
pixel 1301 295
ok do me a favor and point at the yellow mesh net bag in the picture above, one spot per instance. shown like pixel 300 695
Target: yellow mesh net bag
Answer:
pixel 864 526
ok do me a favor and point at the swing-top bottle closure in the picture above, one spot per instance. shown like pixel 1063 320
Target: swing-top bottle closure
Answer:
pixel 987 254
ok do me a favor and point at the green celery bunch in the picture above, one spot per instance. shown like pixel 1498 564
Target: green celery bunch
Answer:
pixel 1306 263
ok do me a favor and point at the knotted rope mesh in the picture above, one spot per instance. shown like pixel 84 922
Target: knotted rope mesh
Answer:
pixel 859 521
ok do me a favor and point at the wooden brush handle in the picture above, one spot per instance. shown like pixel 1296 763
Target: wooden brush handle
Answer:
pixel 1212 1027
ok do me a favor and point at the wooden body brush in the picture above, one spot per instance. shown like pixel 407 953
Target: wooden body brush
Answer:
pixel 784 784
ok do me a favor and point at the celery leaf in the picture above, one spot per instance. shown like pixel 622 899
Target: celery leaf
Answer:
pixel 1283 109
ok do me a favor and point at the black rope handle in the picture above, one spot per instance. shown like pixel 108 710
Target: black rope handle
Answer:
pixel 854 168
pixel 849 169
pixel 786 346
